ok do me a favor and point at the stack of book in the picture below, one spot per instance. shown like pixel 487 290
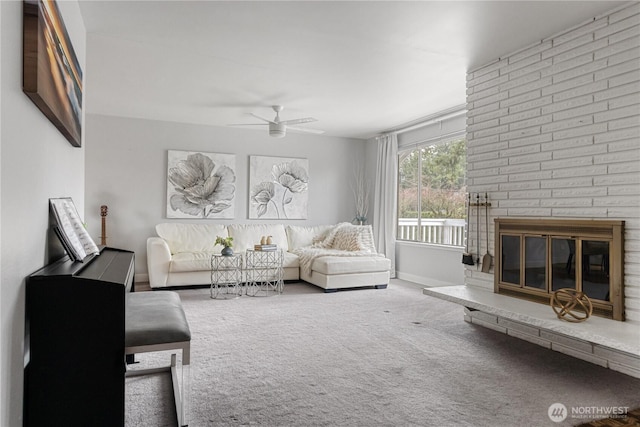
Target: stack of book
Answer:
pixel 272 247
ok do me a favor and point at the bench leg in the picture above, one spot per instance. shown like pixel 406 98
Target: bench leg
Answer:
pixel 181 387
pixel 182 395
pixel 177 395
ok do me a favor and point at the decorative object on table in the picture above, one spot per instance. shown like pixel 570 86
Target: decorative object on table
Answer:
pixel 266 240
pixel 200 185
pixel 361 194
pixel 227 242
pixel 51 74
pixel 278 187
pixel 566 302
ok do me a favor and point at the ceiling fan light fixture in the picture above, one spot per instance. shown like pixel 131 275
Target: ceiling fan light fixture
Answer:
pixel 277 130
pixel 277 127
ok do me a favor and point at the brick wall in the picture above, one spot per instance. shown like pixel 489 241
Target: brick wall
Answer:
pixel 553 130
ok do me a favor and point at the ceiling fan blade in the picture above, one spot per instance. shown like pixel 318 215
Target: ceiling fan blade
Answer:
pixel 305 130
pixel 298 121
pixel 248 124
pixel 261 118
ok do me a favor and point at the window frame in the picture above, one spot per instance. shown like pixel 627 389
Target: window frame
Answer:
pixel 404 150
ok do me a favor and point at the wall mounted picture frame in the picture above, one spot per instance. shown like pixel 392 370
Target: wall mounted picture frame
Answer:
pixel 278 187
pixel 51 74
pixel 200 185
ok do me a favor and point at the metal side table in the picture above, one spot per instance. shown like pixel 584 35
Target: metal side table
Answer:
pixel 263 271
pixel 226 276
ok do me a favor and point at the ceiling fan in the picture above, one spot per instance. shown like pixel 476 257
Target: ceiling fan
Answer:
pixel 278 128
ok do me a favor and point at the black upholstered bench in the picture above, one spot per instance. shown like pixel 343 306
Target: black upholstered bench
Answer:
pixel 155 321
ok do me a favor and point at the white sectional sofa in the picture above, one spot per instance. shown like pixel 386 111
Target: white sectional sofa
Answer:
pixel 329 256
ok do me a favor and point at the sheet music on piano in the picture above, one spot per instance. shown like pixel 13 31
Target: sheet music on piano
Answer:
pixel 70 229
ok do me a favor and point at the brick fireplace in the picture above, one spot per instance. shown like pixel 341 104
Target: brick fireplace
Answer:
pixel 552 132
pixel 536 257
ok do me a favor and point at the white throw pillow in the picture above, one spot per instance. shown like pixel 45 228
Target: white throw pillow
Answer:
pixel 246 236
pixel 300 237
pixel 183 237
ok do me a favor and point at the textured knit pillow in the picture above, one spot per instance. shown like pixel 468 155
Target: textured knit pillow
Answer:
pixel 347 238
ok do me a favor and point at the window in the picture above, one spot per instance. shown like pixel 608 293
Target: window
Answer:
pixel 432 191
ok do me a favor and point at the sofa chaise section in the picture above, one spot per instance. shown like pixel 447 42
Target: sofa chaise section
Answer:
pixel 339 256
pixel 333 273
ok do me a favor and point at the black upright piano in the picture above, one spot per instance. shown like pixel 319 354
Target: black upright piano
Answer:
pixel 74 341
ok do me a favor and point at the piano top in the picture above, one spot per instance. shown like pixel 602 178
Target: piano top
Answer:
pixel 112 265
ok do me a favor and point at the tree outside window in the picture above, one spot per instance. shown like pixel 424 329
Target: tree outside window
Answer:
pixel 431 193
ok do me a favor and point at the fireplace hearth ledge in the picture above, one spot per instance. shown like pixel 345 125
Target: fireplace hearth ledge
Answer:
pixel 606 342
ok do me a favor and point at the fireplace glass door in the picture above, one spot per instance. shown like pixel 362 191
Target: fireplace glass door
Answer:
pixel 536 257
pixel 510 271
pixel 593 266
pixel 563 263
pixel 535 262
pixel 595 269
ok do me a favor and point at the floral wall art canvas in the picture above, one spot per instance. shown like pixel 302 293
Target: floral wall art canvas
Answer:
pixel 278 188
pixel 200 185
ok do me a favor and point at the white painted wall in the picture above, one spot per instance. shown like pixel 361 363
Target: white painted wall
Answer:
pixel 126 169
pixel 554 131
pixel 429 265
pixel 37 163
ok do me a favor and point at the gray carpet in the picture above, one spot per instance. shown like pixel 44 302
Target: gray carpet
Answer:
pixel 391 357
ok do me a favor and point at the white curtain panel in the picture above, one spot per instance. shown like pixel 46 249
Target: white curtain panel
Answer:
pixel 384 197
